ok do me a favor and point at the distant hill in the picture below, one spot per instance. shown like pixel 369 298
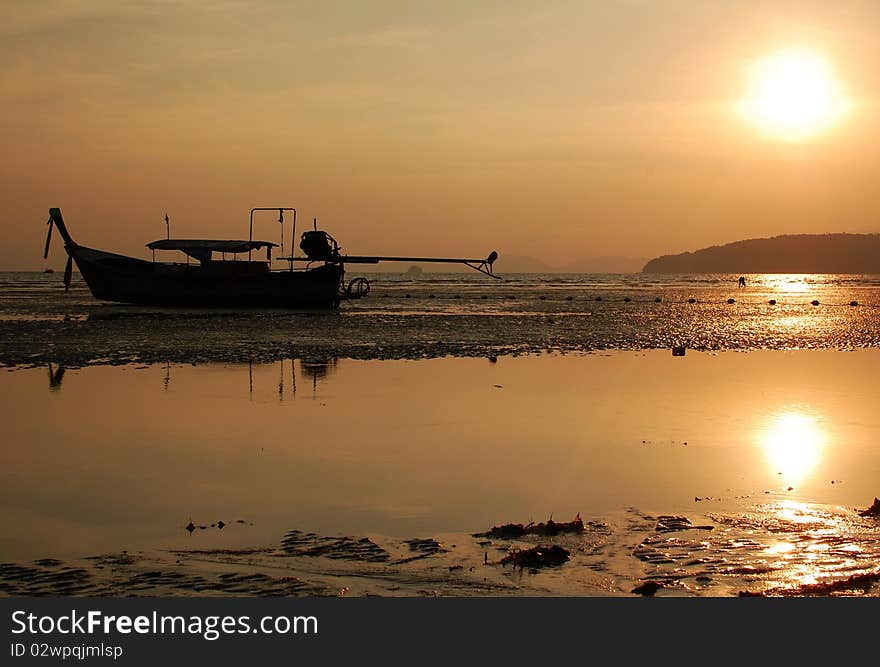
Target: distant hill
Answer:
pixel 606 264
pixel 796 253
pixel 517 264
pixel 521 264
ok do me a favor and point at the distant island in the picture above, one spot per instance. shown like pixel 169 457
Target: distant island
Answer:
pixel 793 253
pixel 603 264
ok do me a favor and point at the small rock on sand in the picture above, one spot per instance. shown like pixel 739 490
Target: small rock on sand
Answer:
pixel 648 588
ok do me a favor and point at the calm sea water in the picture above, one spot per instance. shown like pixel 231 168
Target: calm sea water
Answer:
pixel 360 429
pixel 103 467
pixel 464 314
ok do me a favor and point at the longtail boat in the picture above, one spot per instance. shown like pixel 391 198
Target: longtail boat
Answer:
pixel 313 280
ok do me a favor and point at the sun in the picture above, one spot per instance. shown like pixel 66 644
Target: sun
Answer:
pixel 793 442
pixel 793 95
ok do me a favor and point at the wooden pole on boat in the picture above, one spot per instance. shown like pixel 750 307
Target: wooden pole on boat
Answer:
pixel 281 222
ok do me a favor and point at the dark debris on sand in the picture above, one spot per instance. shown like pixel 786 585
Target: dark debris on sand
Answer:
pixel 540 556
pixel 549 529
pixel 648 588
pixel 671 524
pixel 873 510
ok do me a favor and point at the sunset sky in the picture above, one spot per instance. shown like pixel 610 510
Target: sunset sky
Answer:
pixel 561 130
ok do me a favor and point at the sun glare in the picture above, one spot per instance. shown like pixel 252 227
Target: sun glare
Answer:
pixel 793 443
pixel 793 95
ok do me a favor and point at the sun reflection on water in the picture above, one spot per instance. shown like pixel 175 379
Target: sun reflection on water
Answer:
pixel 780 548
pixel 793 442
pixel 795 283
pixel 814 549
pixel 792 322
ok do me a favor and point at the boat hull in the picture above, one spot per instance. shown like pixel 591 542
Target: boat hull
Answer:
pixel 123 279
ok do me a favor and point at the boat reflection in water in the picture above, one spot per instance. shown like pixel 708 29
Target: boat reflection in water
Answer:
pixel 311 370
pixel 316 369
pixel 56 375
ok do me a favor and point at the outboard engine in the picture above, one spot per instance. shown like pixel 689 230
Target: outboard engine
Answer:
pixel 319 245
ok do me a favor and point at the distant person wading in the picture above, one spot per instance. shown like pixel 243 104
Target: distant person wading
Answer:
pixel 742 281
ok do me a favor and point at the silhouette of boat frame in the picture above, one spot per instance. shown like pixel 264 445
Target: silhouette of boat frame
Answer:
pixel 229 283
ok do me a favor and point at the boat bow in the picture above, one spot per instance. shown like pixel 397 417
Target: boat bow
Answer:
pixel 55 220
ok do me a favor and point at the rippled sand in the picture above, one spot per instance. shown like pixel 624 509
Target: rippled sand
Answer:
pixel 776 548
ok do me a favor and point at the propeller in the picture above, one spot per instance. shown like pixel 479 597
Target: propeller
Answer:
pixel 68 272
pixel 48 239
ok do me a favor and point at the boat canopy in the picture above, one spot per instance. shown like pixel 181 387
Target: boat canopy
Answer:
pixel 201 249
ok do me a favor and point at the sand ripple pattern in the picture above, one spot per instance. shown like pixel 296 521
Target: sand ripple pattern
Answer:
pixel 124 575
pixel 780 548
pixel 298 543
pixel 777 548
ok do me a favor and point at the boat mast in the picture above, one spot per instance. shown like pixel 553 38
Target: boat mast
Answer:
pixel 280 210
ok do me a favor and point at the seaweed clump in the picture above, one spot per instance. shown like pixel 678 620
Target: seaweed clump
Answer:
pixel 873 510
pixel 549 529
pixel 670 524
pixel 540 556
pixel 647 589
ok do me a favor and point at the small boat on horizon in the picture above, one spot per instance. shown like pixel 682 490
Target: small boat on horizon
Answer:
pixel 318 283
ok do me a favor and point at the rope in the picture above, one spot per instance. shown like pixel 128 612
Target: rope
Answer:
pixel 689 302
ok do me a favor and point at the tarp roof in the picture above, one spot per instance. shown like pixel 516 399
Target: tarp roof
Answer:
pixel 209 245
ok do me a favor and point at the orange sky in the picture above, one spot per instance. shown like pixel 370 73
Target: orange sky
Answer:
pixel 562 130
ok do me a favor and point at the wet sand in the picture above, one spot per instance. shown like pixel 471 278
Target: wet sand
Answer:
pixel 775 548
pixel 464 315
pixel 371 478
